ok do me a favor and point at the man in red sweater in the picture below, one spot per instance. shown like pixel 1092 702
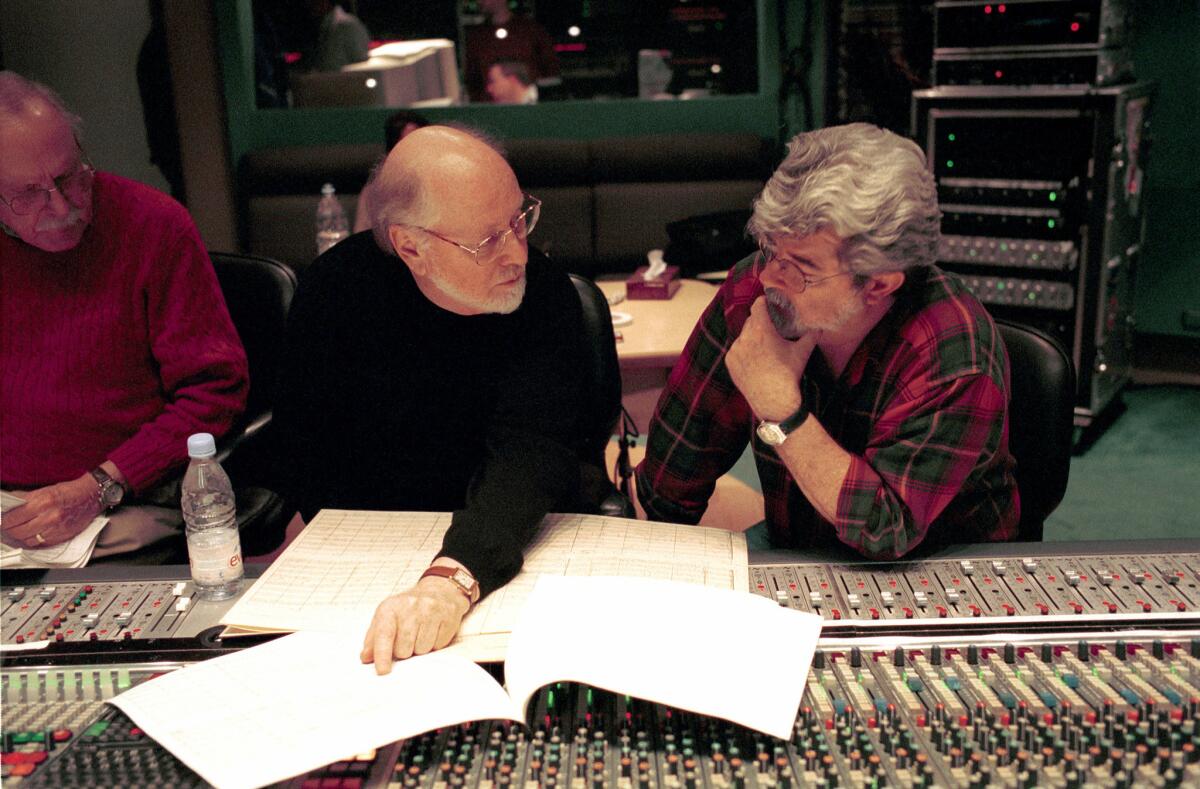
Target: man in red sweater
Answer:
pixel 116 342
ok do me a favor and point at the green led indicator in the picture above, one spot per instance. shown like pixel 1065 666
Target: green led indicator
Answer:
pixel 950 137
pixel 1003 247
pixel 950 164
pixel 1050 223
pixel 1053 196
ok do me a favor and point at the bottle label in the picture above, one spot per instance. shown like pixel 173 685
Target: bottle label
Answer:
pixel 215 556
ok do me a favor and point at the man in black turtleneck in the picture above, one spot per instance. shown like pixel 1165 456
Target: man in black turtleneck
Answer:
pixel 434 364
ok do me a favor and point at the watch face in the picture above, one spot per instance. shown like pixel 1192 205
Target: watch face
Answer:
pixel 463 579
pixel 113 493
pixel 771 433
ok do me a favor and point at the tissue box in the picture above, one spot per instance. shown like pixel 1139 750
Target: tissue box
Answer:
pixel 662 287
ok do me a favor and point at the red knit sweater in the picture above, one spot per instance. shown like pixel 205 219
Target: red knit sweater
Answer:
pixel 117 349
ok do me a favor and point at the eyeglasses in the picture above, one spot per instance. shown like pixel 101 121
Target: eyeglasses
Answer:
pixel 520 225
pixel 792 276
pixel 75 187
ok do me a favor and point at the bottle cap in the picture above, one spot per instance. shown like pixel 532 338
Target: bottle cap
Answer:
pixel 327 189
pixel 202 445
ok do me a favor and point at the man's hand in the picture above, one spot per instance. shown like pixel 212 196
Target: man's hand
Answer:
pixel 53 514
pixel 420 620
pixel 766 368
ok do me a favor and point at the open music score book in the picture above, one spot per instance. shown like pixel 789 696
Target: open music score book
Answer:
pixel 345 562
pixel 292 705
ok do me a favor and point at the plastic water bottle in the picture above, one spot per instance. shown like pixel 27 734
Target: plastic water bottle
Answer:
pixel 214 547
pixel 332 225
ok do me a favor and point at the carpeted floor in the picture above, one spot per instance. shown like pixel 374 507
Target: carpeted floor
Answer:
pixel 1141 478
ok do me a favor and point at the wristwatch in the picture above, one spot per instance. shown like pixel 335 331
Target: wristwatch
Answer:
pixel 458 576
pixel 775 433
pixel 112 493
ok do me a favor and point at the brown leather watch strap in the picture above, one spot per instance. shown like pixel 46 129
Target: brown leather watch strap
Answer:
pixel 467 585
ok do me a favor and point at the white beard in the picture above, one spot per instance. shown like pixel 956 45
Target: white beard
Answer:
pixel 501 305
pixel 789 327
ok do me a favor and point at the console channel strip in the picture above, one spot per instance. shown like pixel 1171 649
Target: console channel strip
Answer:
pixel 1106 590
pixel 67 606
pixel 1064 712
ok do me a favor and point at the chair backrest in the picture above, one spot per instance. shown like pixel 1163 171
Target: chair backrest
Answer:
pixel 1040 421
pixel 602 374
pixel 258 292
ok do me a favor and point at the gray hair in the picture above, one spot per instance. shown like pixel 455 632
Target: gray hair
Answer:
pixel 869 186
pixel 399 197
pixel 17 94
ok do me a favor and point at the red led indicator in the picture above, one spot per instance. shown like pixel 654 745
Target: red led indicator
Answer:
pixel 1074 27
pixel 999 74
pixel 987 9
pixel 1002 8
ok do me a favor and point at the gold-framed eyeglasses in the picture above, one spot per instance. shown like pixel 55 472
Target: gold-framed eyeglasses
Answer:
pixel 795 279
pixel 520 226
pixel 75 187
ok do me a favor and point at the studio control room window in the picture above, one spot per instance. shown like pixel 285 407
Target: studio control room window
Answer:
pixel 318 53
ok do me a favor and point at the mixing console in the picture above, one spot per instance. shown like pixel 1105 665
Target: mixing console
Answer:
pixel 74 606
pixel 982 667
pixel 1034 589
pixel 1065 712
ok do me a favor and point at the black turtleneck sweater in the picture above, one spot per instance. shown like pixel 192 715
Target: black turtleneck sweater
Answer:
pixel 389 402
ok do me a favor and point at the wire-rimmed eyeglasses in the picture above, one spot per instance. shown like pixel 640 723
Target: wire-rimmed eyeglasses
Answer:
pixel 75 187
pixel 795 279
pixel 520 225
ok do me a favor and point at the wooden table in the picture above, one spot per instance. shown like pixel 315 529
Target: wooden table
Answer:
pixel 649 347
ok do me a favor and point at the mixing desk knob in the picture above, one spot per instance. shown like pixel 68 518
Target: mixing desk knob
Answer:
pixel 815 599
pixel 781 597
pixel 1173 579
pixel 998 567
pixel 1077 607
pixel 1106 579
pixel 16 593
pixel 1073 578
pixel 887 598
pixel 47 592
pixel 952 596
pixel 1137 576
pixel 920 597
pixel 1030 565
pixel 854 600
pixel 1042 608
pixel 967 567
pixel 123 618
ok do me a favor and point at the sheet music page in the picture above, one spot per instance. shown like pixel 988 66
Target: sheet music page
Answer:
pixel 346 562
pixel 267 713
pixel 732 655
pixel 75 552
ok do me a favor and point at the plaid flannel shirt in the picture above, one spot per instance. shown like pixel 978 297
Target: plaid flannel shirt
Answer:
pixel 921 407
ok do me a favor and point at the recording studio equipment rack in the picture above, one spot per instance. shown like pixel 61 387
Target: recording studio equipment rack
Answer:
pixel 1040 189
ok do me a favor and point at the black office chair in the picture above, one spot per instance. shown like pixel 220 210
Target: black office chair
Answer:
pixel 258 292
pixel 602 399
pixel 1040 421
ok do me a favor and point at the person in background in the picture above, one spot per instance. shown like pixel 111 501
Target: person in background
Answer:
pixel 342 38
pixel 509 83
pixel 398 126
pixel 435 365
pixel 116 342
pixel 506 36
pixel 158 103
pixel 873 385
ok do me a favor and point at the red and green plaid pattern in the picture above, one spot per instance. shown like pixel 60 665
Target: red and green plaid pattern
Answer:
pixel 921 408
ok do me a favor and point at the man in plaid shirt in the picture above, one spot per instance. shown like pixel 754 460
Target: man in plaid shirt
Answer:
pixel 873 385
